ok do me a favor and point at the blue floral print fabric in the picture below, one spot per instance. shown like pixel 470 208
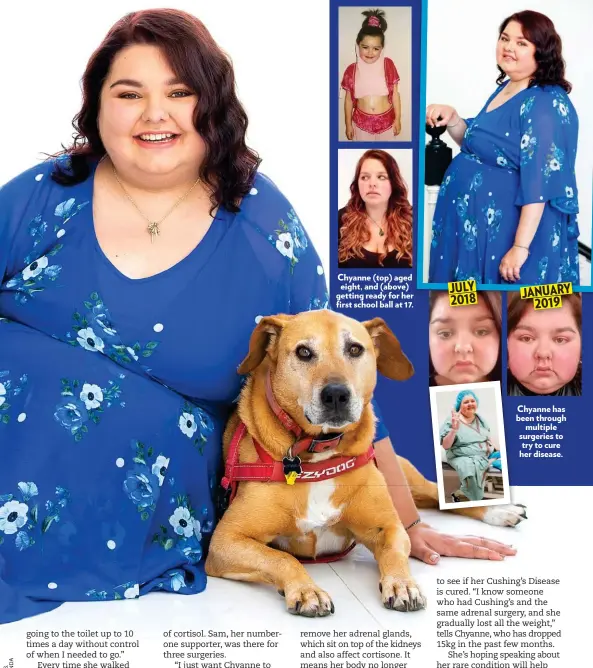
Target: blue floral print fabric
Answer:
pixel 522 152
pixel 114 392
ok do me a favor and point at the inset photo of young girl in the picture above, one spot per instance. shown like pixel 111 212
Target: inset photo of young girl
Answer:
pixel 468 431
pixel 375 62
pixel 375 217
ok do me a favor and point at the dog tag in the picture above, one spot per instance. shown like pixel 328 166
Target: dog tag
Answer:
pixel 291 477
pixel 292 469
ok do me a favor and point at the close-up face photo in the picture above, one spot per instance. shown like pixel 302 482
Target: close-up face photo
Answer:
pixel 373 183
pixel 146 113
pixel 544 349
pixel 370 48
pixel 464 342
pixel 515 54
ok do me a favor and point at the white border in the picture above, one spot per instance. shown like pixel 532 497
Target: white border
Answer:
pixel 493 385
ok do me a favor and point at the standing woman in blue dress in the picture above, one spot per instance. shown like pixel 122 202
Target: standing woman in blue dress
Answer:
pixel 507 206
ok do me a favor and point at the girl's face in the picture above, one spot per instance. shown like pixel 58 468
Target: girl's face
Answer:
pixel 514 54
pixel 545 349
pixel 468 406
pixel 463 342
pixel 373 183
pixel 370 48
pixel 146 115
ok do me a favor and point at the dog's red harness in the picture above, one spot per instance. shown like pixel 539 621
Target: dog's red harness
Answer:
pixel 266 469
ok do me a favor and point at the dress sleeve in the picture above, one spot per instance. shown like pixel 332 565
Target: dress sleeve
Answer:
pixel 308 289
pixel 17 197
pixel 391 72
pixel 4 237
pixel 445 429
pixel 348 79
pixel 549 130
pixel 25 234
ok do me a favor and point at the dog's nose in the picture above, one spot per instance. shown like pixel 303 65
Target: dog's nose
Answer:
pixel 335 396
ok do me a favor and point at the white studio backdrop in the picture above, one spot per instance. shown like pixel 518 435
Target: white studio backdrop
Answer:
pixel 280 54
pixel 461 70
pixel 348 159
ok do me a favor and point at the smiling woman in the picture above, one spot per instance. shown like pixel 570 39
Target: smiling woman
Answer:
pixel 372 104
pixel 133 268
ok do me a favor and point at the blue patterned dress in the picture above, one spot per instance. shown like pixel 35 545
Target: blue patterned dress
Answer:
pixel 114 392
pixel 522 152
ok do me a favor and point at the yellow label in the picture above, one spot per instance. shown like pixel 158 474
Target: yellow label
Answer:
pixel 548 290
pixel 463 298
pixel 458 287
pixel 540 303
pixel 291 477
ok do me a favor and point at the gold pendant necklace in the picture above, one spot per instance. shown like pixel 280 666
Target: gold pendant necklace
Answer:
pixel 381 232
pixel 153 225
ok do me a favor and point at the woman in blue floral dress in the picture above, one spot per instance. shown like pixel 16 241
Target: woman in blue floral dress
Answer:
pixel 119 348
pixel 507 206
pixel 133 270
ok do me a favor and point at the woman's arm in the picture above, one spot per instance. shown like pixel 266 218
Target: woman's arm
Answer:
pixel 428 544
pixel 348 107
pixel 448 440
pixel 515 258
pixel 456 126
pixel 399 491
pixel 397 126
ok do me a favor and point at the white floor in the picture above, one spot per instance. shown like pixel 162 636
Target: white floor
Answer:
pixel 552 543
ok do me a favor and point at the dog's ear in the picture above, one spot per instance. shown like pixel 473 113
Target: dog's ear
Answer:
pixel 391 361
pixel 264 339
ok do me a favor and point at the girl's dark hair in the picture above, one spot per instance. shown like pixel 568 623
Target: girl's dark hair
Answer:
pixel 493 301
pixel 540 31
pixel 399 215
pixel 193 55
pixel 375 16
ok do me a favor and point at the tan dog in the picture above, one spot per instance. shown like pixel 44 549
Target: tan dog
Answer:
pixel 322 369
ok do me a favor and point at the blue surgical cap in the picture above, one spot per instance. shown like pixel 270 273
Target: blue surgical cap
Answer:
pixel 460 397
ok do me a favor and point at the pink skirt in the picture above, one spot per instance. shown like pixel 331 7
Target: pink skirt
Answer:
pixel 373 124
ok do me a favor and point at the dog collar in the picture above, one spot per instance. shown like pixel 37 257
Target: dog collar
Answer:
pixel 267 469
pixel 320 444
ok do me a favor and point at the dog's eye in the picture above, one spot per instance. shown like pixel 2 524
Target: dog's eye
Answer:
pixel 355 350
pixel 304 353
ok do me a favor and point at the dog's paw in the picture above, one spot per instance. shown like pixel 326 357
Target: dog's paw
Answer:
pixel 308 600
pixel 505 516
pixel 402 595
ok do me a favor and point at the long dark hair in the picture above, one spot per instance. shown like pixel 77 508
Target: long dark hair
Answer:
pixel 193 55
pixel 375 16
pixel 399 215
pixel 540 31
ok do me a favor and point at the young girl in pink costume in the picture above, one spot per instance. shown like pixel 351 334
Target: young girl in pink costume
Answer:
pixel 372 106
